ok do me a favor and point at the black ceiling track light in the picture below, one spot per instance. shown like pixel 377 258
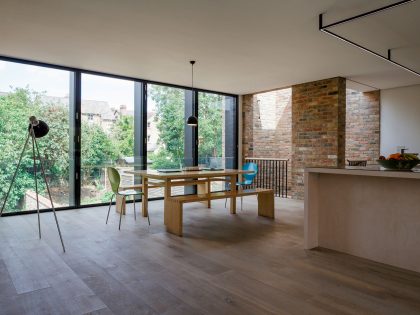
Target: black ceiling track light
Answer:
pixel 325 29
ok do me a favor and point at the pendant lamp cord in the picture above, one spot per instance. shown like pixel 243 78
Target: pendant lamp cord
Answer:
pixel 192 75
pixel 192 62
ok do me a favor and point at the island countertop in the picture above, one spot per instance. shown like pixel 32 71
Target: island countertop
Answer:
pixel 373 170
pixel 366 212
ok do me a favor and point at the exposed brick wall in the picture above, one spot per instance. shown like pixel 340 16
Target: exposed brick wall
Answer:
pixel 269 116
pixel 247 126
pixel 363 126
pixel 318 128
pixel 267 124
pixel 312 124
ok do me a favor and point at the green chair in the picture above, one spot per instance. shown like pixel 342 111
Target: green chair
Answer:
pixel 115 180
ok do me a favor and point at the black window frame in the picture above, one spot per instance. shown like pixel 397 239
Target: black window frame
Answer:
pixel 140 129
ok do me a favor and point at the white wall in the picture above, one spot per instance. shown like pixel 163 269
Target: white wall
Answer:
pixel 400 119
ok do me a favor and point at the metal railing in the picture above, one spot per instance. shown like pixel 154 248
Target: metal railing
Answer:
pixel 272 174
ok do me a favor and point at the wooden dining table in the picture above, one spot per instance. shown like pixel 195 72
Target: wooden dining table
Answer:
pixel 201 178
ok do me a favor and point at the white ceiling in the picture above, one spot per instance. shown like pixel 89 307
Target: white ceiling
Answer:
pixel 241 46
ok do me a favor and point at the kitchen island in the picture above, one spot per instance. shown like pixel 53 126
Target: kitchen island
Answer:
pixel 366 212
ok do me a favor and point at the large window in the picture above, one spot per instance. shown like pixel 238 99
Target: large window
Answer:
pixel 97 121
pixel 25 91
pixel 165 127
pixel 107 128
pixel 165 130
pixel 216 132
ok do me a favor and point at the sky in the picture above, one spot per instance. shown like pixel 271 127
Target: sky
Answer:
pixel 56 83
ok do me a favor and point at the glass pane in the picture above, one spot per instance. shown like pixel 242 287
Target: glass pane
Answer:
pixel 107 135
pixel 43 92
pixel 216 132
pixel 165 130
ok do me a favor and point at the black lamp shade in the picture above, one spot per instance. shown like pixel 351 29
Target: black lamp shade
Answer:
pixel 192 121
pixel 40 130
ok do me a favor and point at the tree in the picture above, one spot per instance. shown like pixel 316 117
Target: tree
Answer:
pixel 97 149
pixel 170 124
pixel 123 135
pixel 170 117
pixel 15 109
pixel 210 126
pixel 55 147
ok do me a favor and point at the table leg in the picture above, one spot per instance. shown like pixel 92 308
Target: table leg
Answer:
pixel 233 191
pixel 173 215
pixel 205 189
pixel 144 204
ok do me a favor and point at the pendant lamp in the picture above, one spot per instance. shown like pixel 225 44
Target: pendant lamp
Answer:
pixel 192 120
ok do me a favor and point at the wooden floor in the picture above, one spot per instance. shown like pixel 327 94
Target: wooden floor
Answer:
pixel 225 264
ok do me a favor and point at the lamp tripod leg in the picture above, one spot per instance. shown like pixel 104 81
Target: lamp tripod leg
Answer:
pixel 49 194
pixel 36 184
pixel 14 175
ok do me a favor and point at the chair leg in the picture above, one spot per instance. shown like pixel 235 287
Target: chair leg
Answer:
pixel 134 205
pixel 109 209
pixel 241 202
pixel 148 215
pixel 119 226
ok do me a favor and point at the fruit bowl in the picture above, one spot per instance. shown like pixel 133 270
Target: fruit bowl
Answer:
pixel 400 165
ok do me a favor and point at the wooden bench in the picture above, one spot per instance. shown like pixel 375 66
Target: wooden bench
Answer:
pixel 174 216
pixel 202 186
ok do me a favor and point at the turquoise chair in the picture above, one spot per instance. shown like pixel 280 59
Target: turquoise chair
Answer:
pixel 115 180
pixel 248 179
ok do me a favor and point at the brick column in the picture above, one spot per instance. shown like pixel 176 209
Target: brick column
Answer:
pixel 363 125
pixel 318 128
pixel 247 126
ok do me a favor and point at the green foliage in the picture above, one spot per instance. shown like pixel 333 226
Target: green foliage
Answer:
pixel 210 125
pixel 170 124
pixel 98 148
pixel 106 197
pixel 54 148
pixel 15 108
pixel 97 151
pixel 170 118
pixel 123 136
pixel 163 159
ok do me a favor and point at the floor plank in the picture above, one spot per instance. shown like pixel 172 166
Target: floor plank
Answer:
pixel 224 264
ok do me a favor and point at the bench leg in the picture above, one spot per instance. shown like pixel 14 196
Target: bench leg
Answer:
pixel 166 194
pixel 120 204
pixel 204 188
pixel 266 204
pixel 173 211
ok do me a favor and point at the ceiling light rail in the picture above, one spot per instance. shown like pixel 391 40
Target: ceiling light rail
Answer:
pixel 324 28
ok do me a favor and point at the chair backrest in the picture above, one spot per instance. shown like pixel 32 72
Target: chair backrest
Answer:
pixel 114 178
pixel 248 178
pixel 357 163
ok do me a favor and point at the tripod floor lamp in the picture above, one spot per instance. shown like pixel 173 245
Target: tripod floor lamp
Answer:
pixel 36 129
